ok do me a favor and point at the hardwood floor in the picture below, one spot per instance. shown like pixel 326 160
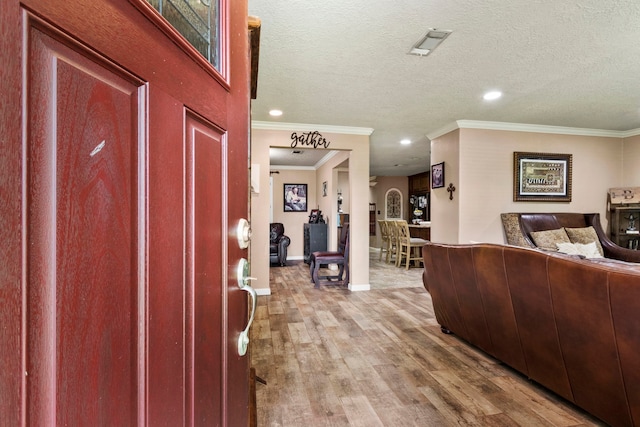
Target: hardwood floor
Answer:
pixel 332 357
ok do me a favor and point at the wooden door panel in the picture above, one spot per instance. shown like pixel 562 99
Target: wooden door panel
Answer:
pixel 167 293
pixel 186 266
pixel 82 283
pixel 205 267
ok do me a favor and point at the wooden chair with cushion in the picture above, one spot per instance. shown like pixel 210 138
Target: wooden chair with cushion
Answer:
pixel 392 241
pixel 409 248
pixel 384 237
pixel 339 257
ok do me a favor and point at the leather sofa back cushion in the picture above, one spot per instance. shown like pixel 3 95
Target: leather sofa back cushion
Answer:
pixel 584 235
pixel 547 239
pixel 541 221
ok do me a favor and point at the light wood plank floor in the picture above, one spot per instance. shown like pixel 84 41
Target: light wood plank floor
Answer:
pixel 332 357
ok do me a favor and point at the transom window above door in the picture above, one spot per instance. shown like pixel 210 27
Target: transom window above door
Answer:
pixel 198 21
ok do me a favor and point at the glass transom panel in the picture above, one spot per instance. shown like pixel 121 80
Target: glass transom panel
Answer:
pixel 198 21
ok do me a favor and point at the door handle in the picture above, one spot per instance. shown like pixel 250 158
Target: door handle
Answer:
pixel 242 273
pixel 243 233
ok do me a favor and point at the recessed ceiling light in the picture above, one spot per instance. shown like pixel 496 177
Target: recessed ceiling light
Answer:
pixel 490 96
pixel 405 142
pixel 275 113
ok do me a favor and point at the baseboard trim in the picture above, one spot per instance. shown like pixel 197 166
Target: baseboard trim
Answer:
pixel 358 288
pixel 263 291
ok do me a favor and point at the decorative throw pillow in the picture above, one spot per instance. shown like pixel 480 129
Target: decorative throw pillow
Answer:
pixel 590 250
pixel 584 235
pixel 547 239
pixel 567 248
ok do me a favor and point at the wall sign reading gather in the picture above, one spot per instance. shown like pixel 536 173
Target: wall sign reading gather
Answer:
pixel 312 139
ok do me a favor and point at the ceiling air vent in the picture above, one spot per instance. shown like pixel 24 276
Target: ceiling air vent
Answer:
pixel 429 42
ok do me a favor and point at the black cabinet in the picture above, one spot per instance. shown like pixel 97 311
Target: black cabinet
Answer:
pixel 315 239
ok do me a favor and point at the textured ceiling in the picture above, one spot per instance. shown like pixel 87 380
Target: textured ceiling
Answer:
pixel 298 157
pixel 345 63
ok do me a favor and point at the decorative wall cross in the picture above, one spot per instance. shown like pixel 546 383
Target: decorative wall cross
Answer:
pixel 451 189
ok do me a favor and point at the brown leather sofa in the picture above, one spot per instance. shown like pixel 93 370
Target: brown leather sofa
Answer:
pixel 568 323
pixel 530 222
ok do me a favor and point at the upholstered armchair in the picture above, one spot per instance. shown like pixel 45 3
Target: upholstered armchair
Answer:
pixel 278 244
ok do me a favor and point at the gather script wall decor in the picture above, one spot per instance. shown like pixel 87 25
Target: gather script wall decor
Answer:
pixel 309 139
pixel 542 177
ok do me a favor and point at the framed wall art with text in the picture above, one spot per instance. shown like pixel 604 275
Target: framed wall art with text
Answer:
pixel 541 177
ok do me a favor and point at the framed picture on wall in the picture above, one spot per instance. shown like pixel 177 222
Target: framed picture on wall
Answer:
pixel 295 197
pixel 541 177
pixel 437 175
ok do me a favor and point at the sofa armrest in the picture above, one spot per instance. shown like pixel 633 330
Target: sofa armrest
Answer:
pixel 283 241
pixel 610 249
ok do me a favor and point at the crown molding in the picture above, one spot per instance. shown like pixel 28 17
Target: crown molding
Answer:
pixel 325 159
pixel 443 131
pixel 630 133
pixel 291 168
pixel 522 127
pixel 348 130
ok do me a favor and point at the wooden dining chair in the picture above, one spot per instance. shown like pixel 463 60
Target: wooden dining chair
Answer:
pixel 384 237
pixel 392 243
pixel 409 248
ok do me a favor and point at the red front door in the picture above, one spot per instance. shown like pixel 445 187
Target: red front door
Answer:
pixel 123 173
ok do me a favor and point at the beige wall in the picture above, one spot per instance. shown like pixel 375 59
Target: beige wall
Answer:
pixel 293 220
pixel 354 147
pixel 343 186
pixel 479 163
pixel 631 162
pixel 445 212
pixel 331 173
